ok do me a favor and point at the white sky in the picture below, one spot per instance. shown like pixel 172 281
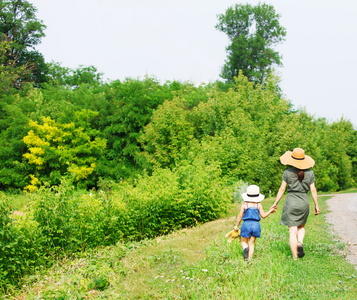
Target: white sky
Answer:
pixel 177 40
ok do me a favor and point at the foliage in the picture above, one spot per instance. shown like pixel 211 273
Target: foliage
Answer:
pixel 122 108
pixel 245 130
pixel 253 31
pixel 19 25
pixel 231 128
pixel 10 72
pixel 72 78
pixel 14 172
pixel 22 247
pixel 64 221
pixel 57 149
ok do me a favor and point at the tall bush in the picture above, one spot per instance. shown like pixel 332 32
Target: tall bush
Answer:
pixel 22 247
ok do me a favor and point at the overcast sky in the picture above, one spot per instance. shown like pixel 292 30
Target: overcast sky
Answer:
pixel 177 40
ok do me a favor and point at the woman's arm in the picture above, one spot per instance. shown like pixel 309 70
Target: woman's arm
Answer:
pixel 239 218
pixel 265 214
pixel 280 194
pixel 314 197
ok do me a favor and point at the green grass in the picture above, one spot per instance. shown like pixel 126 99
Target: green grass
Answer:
pixel 199 263
pixel 18 201
pixel 350 190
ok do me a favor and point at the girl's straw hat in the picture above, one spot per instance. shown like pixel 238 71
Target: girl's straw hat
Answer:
pixel 253 194
pixel 297 159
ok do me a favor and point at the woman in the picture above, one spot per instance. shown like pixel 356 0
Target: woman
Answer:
pixel 299 181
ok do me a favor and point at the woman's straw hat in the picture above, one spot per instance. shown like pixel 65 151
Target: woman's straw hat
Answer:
pixel 253 194
pixel 297 159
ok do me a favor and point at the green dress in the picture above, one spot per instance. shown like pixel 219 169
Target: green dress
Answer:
pixel 296 206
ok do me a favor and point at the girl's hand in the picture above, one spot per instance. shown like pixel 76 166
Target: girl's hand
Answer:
pixel 236 228
pixel 274 207
pixel 317 210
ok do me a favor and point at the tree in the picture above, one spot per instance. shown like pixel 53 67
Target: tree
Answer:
pixel 60 149
pixel 10 72
pixel 253 31
pixel 18 25
pixel 73 78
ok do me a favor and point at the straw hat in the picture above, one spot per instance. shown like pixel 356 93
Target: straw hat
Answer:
pixel 297 159
pixel 253 194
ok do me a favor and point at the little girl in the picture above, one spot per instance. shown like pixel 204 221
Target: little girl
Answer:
pixel 250 213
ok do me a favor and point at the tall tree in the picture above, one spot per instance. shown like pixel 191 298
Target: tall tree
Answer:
pixel 253 31
pixel 10 72
pixel 20 27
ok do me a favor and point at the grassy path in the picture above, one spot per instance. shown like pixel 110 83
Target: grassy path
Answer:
pixel 198 263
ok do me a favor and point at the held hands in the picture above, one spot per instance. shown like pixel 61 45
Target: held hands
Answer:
pixel 275 205
pixel 273 208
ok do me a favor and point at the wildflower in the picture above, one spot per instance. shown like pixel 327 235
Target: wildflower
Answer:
pixel 204 270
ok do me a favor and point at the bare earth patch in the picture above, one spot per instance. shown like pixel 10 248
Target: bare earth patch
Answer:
pixel 343 216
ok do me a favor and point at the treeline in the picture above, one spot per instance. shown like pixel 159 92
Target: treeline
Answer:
pixel 75 125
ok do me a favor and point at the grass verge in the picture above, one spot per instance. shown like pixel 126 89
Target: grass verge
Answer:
pixel 198 263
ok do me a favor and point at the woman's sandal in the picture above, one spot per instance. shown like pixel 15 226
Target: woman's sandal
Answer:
pixel 300 250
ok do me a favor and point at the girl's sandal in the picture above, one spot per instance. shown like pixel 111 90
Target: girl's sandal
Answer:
pixel 246 253
pixel 300 250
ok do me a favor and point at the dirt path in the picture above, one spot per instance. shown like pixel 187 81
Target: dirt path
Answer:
pixel 343 216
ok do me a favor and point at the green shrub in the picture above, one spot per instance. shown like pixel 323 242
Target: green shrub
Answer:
pixel 22 248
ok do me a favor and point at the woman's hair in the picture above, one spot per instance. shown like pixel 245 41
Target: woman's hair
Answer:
pixel 301 175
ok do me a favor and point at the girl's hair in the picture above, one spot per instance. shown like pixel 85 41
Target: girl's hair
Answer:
pixel 301 175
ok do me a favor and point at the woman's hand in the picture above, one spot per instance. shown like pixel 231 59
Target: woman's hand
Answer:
pixel 274 207
pixel 317 210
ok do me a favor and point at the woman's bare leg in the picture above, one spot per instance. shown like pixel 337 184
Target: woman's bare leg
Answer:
pixel 293 230
pixel 301 233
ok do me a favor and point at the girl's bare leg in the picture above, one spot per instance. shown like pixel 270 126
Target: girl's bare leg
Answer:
pixel 251 246
pixel 244 242
pixel 245 247
pixel 293 230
